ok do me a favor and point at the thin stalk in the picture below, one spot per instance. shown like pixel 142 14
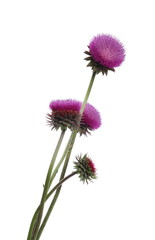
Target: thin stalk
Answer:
pixel 59 184
pixel 87 93
pixel 57 191
pixel 48 195
pixel 60 162
pixel 72 140
pixel 33 232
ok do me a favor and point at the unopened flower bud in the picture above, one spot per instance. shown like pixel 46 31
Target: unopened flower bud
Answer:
pixel 85 168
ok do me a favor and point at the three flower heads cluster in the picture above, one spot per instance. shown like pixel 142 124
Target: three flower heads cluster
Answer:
pixel 105 53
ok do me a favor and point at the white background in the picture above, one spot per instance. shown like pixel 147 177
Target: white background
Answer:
pixel 41 59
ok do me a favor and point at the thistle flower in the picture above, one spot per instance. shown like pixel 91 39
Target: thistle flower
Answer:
pixel 90 120
pixel 105 53
pixel 66 113
pixel 85 168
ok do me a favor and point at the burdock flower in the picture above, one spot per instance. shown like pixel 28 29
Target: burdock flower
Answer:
pixel 85 168
pixel 105 53
pixel 66 114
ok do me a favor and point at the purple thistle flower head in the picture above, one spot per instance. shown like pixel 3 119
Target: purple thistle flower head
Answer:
pixel 105 53
pixel 66 113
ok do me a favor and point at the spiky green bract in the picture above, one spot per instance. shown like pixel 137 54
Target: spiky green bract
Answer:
pixel 65 114
pixel 96 66
pixel 85 168
pixel 64 119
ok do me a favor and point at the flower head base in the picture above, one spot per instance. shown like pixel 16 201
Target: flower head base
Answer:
pixel 85 168
pixel 105 53
pixel 66 114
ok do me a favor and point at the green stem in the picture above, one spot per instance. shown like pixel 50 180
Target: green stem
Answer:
pixel 60 162
pixel 57 191
pixel 59 184
pixel 87 93
pixel 33 232
pixel 48 195
pixel 72 140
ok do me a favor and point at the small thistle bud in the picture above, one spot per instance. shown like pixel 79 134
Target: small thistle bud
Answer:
pixel 85 168
pixel 105 53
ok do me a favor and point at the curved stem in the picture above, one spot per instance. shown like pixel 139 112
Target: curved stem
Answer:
pixel 33 231
pixel 48 195
pixel 60 183
pixel 58 190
